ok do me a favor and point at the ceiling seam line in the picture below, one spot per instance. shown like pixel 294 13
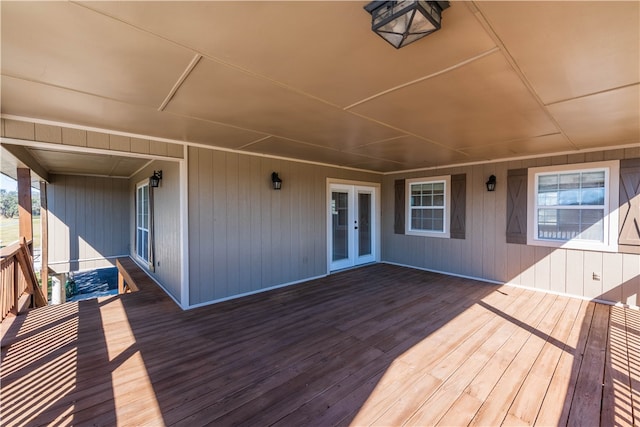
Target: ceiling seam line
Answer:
pixel 180 81
pixel 73 148
pixel 119 101
pixel 141 168
pixel 409 133
pixel 430 76
pixel 513 141
pixel 117 162
pixel 517 158
pixel 209 57
pixel 255 142
pixel 56 86
pixel 593 93
pixel 380 141
pixel 193 143
pixel 484 22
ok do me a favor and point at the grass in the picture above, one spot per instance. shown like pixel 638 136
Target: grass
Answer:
pixel 9 231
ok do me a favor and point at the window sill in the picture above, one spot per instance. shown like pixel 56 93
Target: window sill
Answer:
pixel 581 246
pixel 427 234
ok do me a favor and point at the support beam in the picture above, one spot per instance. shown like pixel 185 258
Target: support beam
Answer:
pixel 24 204
pixel 25 159
pixel 44 239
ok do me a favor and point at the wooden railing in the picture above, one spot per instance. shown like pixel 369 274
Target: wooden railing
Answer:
pixel 18 277
pixel 126 282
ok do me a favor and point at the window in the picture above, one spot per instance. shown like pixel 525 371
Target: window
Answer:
pixel 142 221
pixel 428 206
pixel 574 206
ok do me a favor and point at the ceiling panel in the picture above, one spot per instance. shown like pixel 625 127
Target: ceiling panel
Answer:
pixel 9 165
pixel 66 45
pixel 570 49
pixel 609 118
pixel 541 145
pixel 291 149
pixel 277 77
pixel 380 165
pixel 483 102
pixel 326 49
pixel 222 94
pixel 30 99
pixel 61 162
pixel 411 150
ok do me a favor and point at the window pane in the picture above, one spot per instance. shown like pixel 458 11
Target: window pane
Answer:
pixel 138 243
pixel 568 197
pixel 569 181
pixel 416 219
pixel 593 196
pixel 568 192
pixel 593 179
pixel 548 190
pixel 426 203
pixel 547 183
pixel 427 219
pixel 548 198
pixel 592 224
pixel 567 224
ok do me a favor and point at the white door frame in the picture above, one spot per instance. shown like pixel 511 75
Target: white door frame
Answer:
pixel 375 218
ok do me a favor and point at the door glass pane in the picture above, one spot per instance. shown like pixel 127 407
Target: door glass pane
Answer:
pixel 339 227
pixel 364 224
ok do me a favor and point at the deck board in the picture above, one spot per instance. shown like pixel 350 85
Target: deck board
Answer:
pixel 379 345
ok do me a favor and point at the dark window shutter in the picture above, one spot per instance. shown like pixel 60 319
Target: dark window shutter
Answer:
pixel 517 206
pixel 398 223
pixel 629 225
pixel 458 206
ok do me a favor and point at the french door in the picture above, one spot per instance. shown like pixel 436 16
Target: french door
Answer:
pixel 352 225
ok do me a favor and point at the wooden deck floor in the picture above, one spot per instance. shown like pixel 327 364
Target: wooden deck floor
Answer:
pixel 380 345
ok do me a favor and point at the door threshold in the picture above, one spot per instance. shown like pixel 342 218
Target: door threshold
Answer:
pixel 340 270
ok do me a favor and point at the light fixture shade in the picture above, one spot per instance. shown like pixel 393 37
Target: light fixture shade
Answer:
pixel 491 184
pixel 405 21
pixel 277 182
pixel 154 180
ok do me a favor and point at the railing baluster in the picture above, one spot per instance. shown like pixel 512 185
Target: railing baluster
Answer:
pixel 18 277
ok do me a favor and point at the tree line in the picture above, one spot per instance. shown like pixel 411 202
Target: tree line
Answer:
pixel 9 204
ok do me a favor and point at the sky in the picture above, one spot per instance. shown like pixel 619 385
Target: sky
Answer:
pixel 8 183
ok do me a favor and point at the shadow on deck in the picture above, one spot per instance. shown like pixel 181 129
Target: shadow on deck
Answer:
pixel 379 344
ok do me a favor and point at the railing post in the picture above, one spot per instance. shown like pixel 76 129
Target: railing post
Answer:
pixel 16 284
pixel 24 205
pixel 44 240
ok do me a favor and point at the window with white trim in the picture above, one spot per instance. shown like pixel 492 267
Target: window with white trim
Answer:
pixel 428 206
pixel 574 206
pixel 142 221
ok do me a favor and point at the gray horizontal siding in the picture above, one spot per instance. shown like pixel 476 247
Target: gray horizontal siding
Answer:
pixel 485 254
pixel 243 235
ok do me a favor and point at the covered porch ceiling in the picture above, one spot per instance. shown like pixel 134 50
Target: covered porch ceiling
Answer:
pixel 311 81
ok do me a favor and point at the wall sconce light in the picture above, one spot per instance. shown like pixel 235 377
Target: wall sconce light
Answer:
pixel 277 182
pixel 491 184
pixel 154 180
pixel 403 22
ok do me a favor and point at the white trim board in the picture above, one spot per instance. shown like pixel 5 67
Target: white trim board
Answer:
pixel 178 142
pixel 232 297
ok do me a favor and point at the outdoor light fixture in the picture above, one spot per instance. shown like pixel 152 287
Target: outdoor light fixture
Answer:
pixel 405 21
pixel 277 182
pixel 491 184
pixel 154 180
